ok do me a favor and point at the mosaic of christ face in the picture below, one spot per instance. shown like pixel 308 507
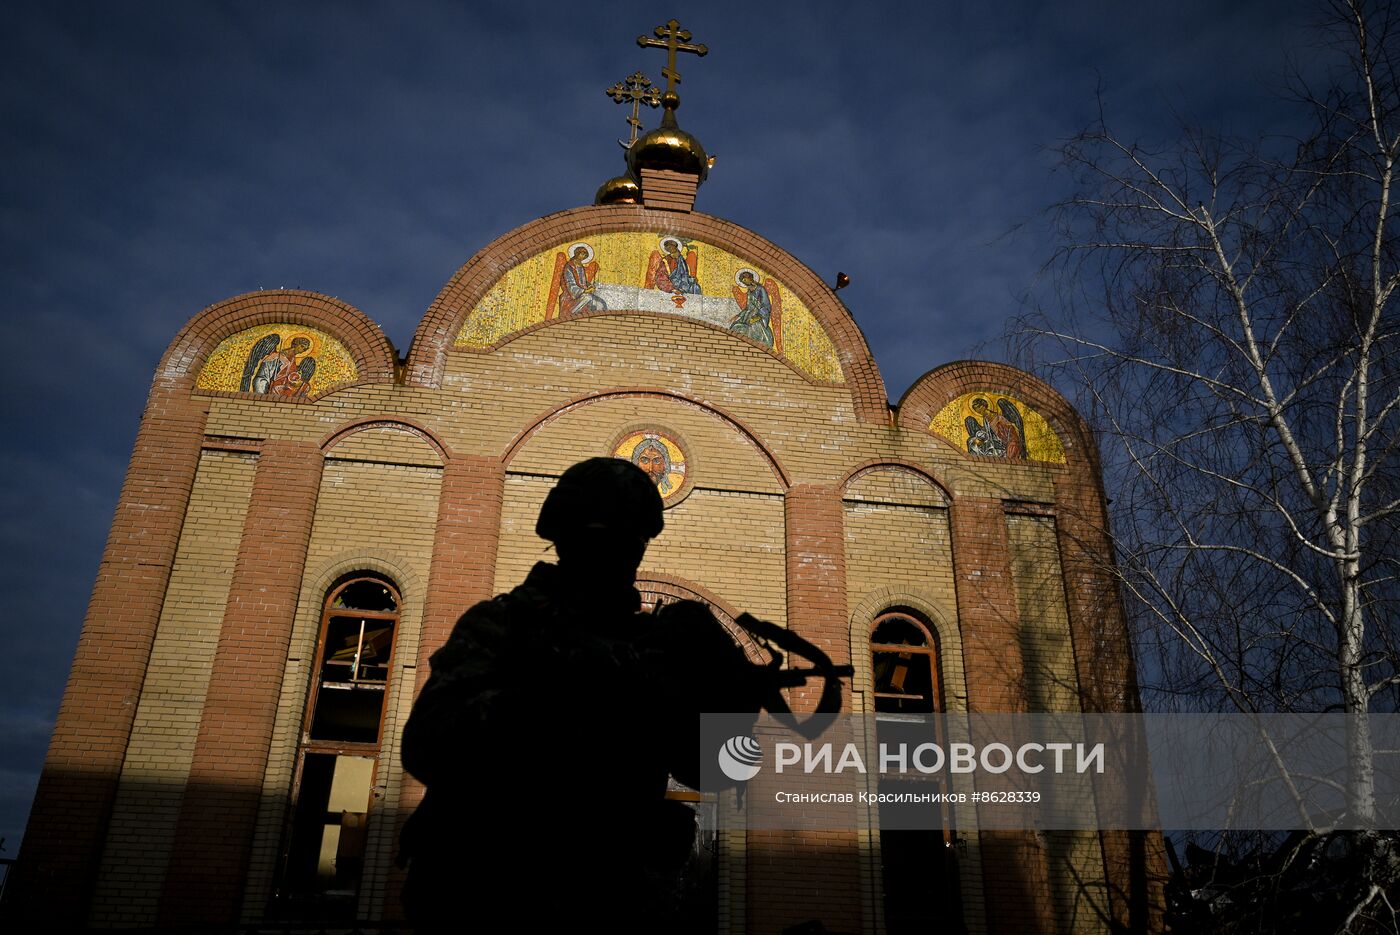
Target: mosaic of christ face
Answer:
pixel 652 458
pixel 660 456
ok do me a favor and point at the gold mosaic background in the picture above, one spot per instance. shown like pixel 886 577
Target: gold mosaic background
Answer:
pixel 676 478
pixel 519 298
pixel 1042 444
pixel 224 369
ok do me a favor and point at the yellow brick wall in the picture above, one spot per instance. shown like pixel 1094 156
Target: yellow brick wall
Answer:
pixel 899 553
pixel 531 403
pixel 374 517
pixel 698 544
pixel 1046 646
pixel 386 445
pixel 172 698
pixel 487 399
pixel 894 485
pixel 1074 858
pixel 894 550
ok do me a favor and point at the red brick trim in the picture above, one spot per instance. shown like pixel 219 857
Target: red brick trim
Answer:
pixel 866 467
pixel 908 598
pixel 683 587
pixel 214 835
pixel 51 886
pixel 374 354
pixel 545 418
pixel 463 569
pixel 941 385
pixel 1014 869
pixel 816 571
pixel 462 574
pixel 338 435
pixel 987 611
pixel 1135 866
pixel 674 586
pixel 428 355
pixel 1134 862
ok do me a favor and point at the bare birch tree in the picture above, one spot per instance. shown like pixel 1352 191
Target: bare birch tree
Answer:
pixel 1229 323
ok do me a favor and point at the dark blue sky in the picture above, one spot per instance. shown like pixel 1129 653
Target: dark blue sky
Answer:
pixel 160 157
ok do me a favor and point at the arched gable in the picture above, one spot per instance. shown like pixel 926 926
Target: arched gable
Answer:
pixel 940 402
pixel 487 302
pixel 359 352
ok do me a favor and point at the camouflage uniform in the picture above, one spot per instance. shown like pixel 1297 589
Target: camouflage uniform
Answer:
pixel 545 736
pixel 550 723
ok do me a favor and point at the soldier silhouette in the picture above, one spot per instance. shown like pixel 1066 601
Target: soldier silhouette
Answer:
pixel 552 719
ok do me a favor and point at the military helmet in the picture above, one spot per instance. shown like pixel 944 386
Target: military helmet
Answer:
pixel 601 493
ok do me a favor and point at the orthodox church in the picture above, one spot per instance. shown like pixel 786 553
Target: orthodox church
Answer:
pixel 308 511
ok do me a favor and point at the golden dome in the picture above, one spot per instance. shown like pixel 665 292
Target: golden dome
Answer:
pixel 668 147
pixel 622 190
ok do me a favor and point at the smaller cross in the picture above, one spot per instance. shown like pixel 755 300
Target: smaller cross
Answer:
pixel 638 89
pixel 673 39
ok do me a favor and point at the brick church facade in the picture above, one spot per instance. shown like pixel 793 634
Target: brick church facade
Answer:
pixel 306 514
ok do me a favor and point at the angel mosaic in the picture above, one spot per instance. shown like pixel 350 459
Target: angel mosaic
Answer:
pixel 759 307
pixel 1000 434
pixel 674 268
pixel 277 369
pixel 575 285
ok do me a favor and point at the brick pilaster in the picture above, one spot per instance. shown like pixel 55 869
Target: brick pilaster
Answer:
pixel 209 860
pixel 816 571
pixel 796 876
pixel 463 573
pixel 1014 869
pixel 1134 861
pixel 51 885
pixel 468 531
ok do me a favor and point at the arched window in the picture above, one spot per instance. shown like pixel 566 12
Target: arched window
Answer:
pixel 919 869
pixel 338 755
pixel 905 661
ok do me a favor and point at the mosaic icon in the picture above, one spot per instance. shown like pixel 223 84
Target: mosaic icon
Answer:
pixel 665 274
pixel 994 425
pixel 661 456
pixel 281 361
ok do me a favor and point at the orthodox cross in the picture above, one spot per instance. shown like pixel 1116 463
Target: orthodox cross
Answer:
pixel 673 39
pixel 639 90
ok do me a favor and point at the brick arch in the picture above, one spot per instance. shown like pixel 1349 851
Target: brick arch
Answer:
pixel 318 581
pixel 945 628
pixel 734 422
pixel 427 357
pixel 666 585
pixel 875 464
pixel 374 354
pixel 342 432
pixel 935 389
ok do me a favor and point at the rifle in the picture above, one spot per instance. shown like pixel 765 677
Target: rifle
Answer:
pixel 773 677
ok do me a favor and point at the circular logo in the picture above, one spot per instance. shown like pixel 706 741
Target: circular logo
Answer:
pixel 740 758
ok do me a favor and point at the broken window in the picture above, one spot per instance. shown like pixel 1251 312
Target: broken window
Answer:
pixel 919 869
pixel 334 791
